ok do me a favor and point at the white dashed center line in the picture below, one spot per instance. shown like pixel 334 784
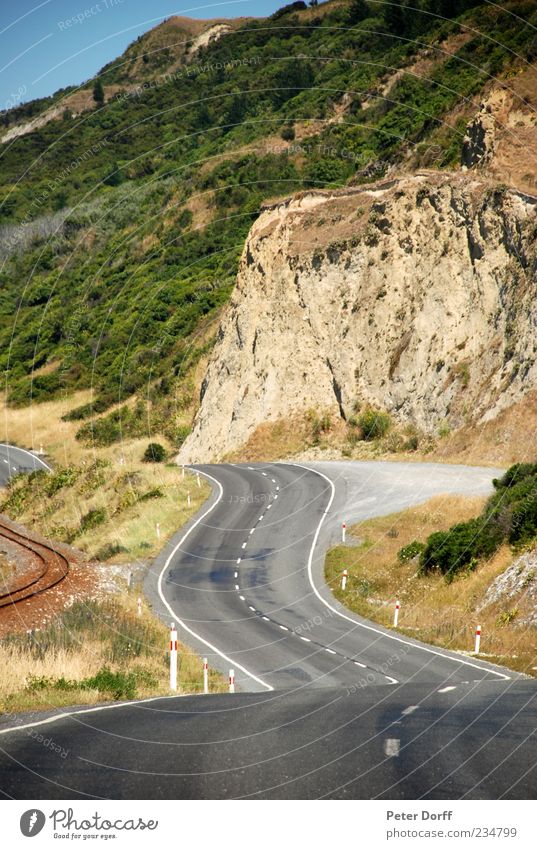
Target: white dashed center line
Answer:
pixel 284 628
pixel 447 689
pixel 391 747
pixel 242 598
pixel 306 639
pixel 244 545
pixel 357 662
pixel 408 710
pixel 330 651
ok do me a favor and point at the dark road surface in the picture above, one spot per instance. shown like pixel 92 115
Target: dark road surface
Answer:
pixel 331 705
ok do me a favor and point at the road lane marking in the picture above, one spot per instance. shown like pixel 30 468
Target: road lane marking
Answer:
pixel 238 560
pixel 269 506
pixel 448 689
pixel 392 747
pixel 265 618
pixel 408 710
pixel 251 532
pixel 236 575
pixel 237 587
pixel 284 628
pixel 251 608
pixel 244 545
pixel 357 662
pixel 355 622
pixel 330 651
pixel 391 680
pixel 306 639
pixel 170 609
pixel 260 518
pixel 242 598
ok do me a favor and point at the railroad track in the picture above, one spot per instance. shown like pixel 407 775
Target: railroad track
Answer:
pixel 52 567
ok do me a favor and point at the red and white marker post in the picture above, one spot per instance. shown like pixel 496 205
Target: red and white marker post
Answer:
pixel 205 675
pixel 396 613
pixel 158 530
pixel 343 532
pixel 198 480
pixel 139 606
pixel 173 657
pixel 231 680
pixel 188 498
pixel 344 577
pixel 477 639
pixel 182 472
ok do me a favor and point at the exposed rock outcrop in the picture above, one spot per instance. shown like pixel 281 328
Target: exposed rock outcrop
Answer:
pixel 517 585
pixel 415 295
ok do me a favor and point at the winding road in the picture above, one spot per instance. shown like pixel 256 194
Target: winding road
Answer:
pixel 14 460
pixel 330 705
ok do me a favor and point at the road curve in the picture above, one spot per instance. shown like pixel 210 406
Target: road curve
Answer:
pixel 337 707
pixel 247 578
pixel 14 460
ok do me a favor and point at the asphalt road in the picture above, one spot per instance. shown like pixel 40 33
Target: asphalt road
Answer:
pixel 15 460
pixel 476 741
pixel 248 578
pixel 330 705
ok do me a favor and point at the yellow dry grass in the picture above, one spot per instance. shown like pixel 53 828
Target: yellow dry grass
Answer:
pixel 41 425
pixel 19 666
pixel 431 609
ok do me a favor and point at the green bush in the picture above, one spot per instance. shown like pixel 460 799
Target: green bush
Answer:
pixel 410 551
pixel 374 424
pixel 509 515
pixel 110 550
pixel 93 518
pixel 154 453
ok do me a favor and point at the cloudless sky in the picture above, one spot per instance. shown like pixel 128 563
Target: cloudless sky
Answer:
pixel 40 53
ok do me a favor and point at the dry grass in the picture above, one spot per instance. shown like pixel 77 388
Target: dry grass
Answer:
pixel 431 609
pixel 76 647
pixel 41 424
pixel 507 439
pixel 121 489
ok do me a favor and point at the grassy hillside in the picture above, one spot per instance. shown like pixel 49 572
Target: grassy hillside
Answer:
pixel 120 229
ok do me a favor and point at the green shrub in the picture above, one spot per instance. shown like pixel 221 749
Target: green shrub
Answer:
pixel 374 424
pixel 110 550
pixel 410 551
pixel 154 453
pixel 93 518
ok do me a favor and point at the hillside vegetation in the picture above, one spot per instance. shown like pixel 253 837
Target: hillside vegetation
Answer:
pixel 121 227
pixel 453 563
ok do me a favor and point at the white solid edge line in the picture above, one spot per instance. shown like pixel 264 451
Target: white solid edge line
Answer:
pixel 179 621
pixel 361 624
pixel 24 451
pixel 95 709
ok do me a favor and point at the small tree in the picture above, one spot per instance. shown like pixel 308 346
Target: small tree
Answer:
pixel 374 424
pixel 98 93
pixel 154 453
pixel 358 11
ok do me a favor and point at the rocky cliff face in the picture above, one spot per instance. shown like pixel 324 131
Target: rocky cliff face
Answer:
pixel 415 295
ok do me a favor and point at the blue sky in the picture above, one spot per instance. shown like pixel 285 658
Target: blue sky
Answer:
pixel 40 52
